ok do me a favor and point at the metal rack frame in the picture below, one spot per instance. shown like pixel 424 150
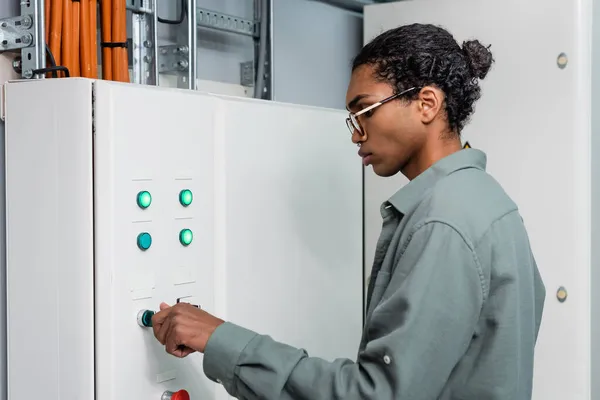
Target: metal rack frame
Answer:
pixel 25 33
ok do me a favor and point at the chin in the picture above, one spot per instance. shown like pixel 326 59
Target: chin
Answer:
pixel 382 171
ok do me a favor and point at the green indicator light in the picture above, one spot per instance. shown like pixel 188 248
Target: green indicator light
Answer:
pixel 185 197
pixel 144 241
pixel 144 199
pixel 185 237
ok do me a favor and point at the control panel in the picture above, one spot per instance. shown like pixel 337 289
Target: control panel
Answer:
pixel 155 237
pixel 153 196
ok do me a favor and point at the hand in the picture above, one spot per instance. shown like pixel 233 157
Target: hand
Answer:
pixel 183 328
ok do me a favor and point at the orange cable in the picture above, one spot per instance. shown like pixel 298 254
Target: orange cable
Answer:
pixel 84 38
pixel 75 38
pixel 47 8
pixel 119 35
pixel 67 39
pixel 47 20
pixel 56 30
pixel 94 38
pixel 106 34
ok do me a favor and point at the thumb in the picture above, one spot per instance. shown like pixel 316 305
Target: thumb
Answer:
pixel 164 306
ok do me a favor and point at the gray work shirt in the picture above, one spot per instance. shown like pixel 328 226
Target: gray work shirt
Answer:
pixel 454 305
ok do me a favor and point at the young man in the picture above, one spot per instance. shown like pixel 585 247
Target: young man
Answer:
pixel 455 298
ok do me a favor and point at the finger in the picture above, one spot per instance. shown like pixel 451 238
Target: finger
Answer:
pixel 180 351
pixel 163 331
pixel 172 346
pixel 186 351
pixel 159 317
pixel 158 320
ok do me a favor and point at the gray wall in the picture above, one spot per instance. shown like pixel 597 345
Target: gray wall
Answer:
pixel 314 44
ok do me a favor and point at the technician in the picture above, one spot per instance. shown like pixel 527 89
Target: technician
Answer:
pixel 455 298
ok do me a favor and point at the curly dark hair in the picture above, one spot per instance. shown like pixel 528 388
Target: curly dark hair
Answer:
pixel 418 55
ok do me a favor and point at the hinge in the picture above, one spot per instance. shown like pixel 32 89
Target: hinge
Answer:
pixel 16 33
pixel 3 102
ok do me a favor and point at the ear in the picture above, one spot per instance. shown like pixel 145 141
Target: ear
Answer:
pixel 430 103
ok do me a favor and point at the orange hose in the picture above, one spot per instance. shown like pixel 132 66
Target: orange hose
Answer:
pixel 124 36
pixel 119 35
pixel 56 29
pixel 84 38
pixel 75 38
pixel 94 38
pixel 47 8
pixel 67 39
pixel 106 31
pixel 47 20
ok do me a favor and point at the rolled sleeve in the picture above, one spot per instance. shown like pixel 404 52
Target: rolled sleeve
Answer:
pixel 416 335
pixel 223 351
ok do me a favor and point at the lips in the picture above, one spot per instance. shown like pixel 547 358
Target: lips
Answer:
pixel 366 157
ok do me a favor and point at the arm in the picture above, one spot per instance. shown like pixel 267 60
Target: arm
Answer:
pixel 418 333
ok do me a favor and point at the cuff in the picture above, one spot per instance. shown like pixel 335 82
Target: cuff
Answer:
pixel 222 352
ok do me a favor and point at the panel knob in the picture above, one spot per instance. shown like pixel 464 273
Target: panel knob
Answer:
pixel 178 395
pixel 144 318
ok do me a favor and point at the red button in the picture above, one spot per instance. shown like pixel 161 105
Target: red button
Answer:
pixel 181 395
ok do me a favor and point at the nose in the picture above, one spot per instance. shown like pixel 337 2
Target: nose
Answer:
pixel 357 138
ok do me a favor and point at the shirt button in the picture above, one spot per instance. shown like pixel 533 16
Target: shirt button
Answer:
pixel 386 359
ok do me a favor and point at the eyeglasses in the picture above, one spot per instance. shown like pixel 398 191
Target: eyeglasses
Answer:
pixel 352 120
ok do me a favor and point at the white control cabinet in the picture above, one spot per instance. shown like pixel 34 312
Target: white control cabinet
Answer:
pixel 538 122
pixel 98 180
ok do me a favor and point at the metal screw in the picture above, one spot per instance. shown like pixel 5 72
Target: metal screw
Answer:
pixel 147 59
pixel 181 49
pixel 147 43
pixel 17 64
pixel 182 64
pixel 28 74
pixel 4 25
pixel 27 22
pixel 562 61
pixel 561 294
pixel 26 39
pixel 4 43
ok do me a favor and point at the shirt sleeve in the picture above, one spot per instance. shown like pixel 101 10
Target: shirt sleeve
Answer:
pixel 416 335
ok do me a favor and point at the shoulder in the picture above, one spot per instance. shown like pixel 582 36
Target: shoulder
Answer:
pixel 469 200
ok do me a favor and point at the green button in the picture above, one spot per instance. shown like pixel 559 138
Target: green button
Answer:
pixel 185 197
pixel 145 318
pixel 144 199
pixel 186 236
pixel 144 241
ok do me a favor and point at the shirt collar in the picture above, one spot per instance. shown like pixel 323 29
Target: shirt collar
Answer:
pixel 406 199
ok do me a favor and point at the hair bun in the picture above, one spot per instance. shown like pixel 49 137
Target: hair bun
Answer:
pixel 479 58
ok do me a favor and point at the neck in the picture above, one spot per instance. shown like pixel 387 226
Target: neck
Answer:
pixel 430 153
